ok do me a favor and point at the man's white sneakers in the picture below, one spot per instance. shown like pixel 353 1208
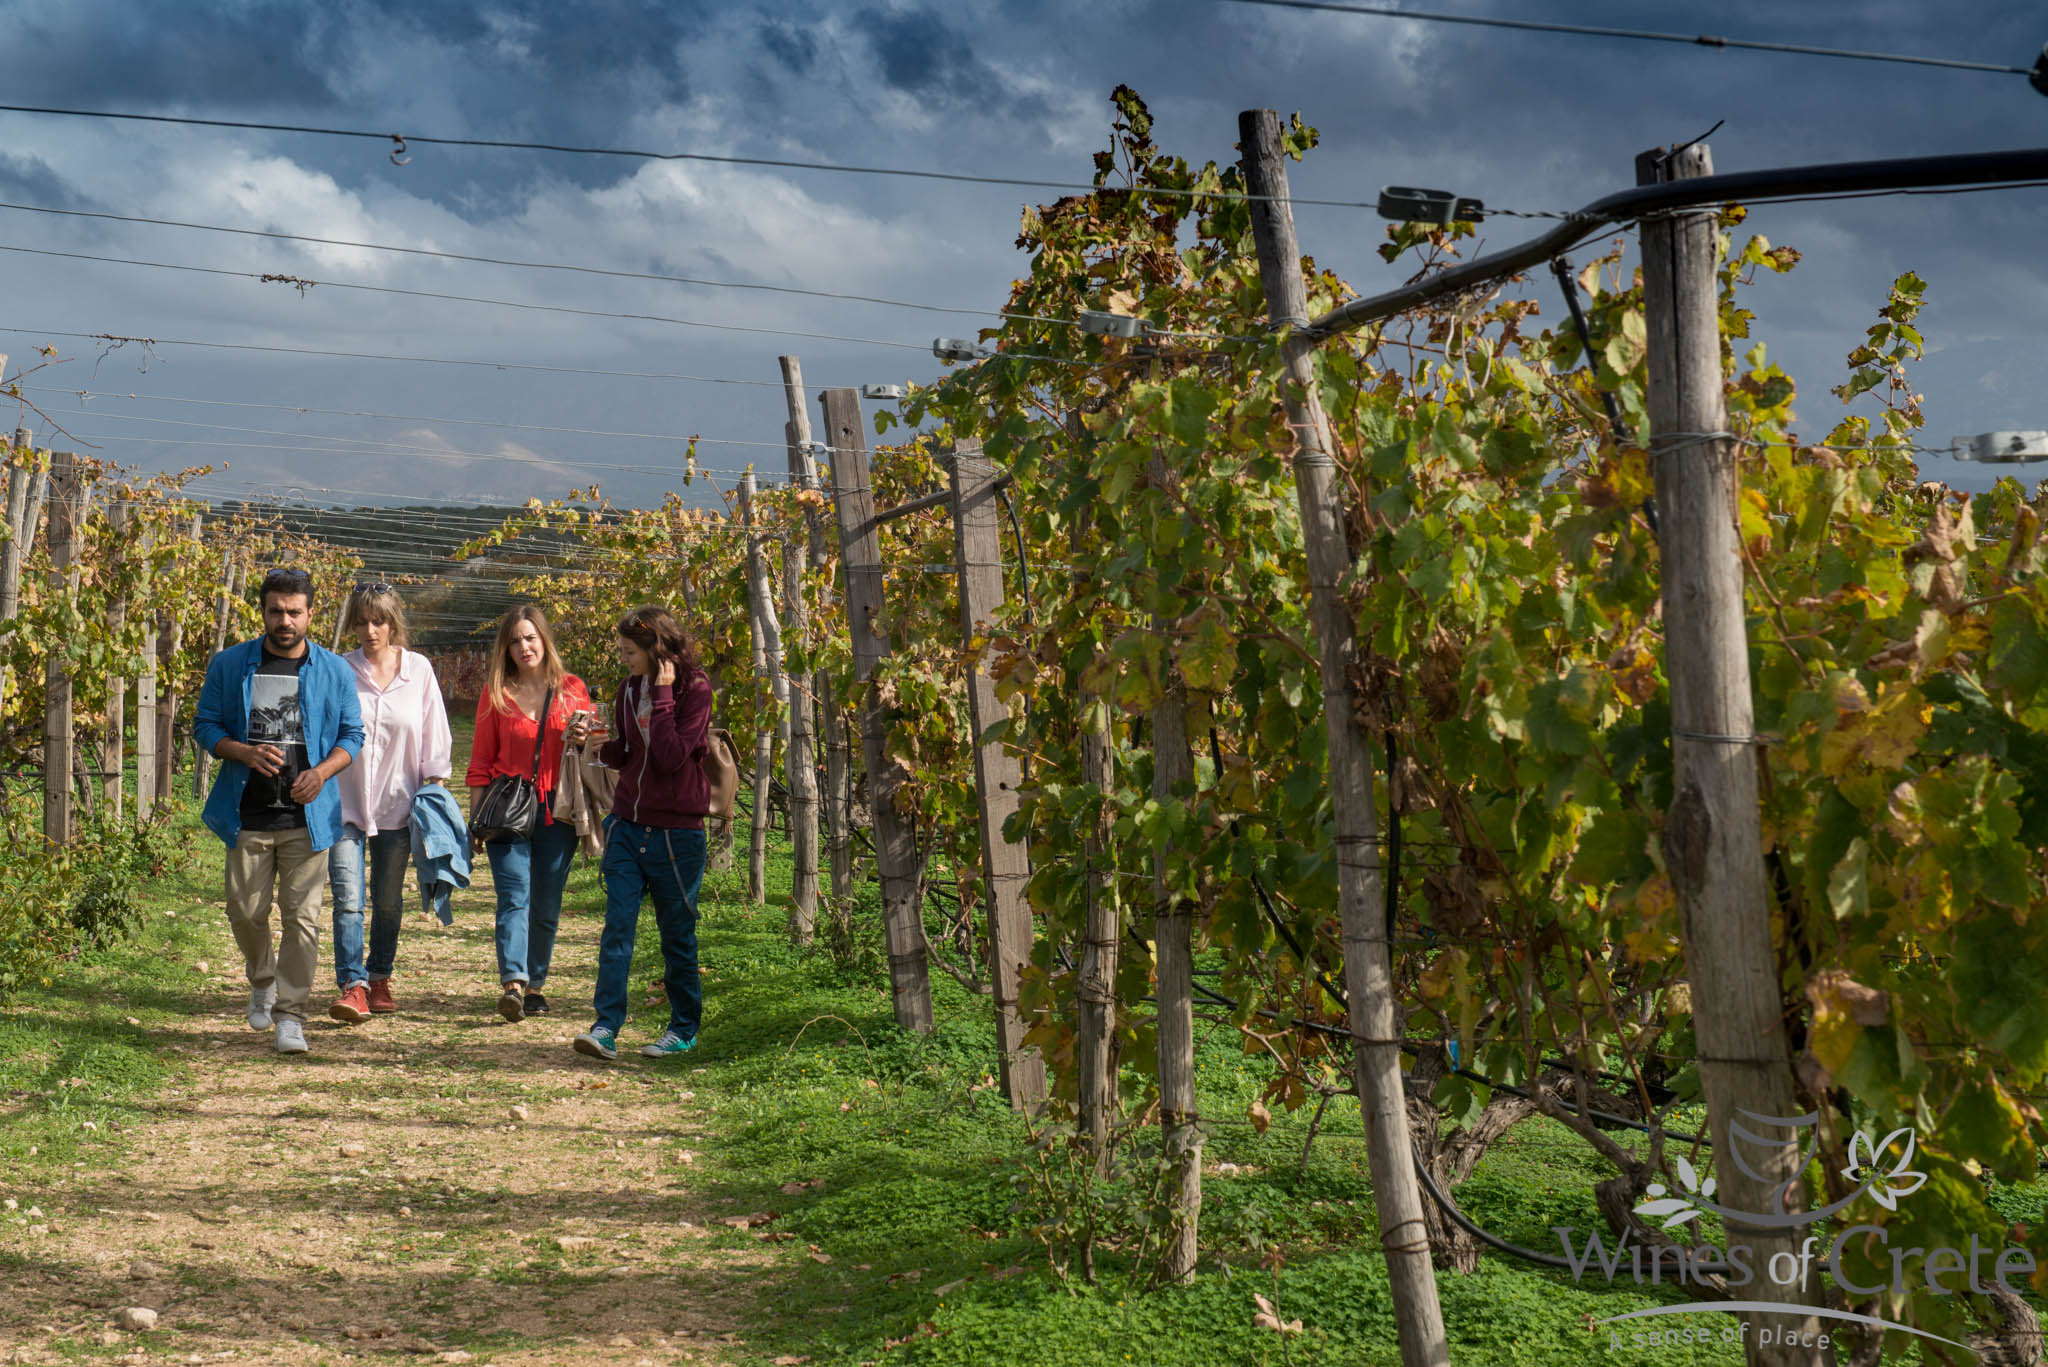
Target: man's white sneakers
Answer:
pixel 261 999
pixel 291 1036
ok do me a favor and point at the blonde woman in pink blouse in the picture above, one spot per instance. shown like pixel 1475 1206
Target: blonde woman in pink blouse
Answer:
pixel 406 745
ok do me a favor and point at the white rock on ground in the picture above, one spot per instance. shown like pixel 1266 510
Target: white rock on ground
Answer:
pixel 135 1318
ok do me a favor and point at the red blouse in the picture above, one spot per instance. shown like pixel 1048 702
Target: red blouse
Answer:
pixel 504 740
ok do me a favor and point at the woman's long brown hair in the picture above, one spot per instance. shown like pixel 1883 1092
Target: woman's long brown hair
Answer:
pixel 503 669
pixel 657 632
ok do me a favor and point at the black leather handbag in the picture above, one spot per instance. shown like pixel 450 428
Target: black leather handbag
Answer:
pixel 510 807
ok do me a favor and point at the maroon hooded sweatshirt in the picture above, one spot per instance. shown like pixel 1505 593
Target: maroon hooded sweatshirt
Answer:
pixel 660 733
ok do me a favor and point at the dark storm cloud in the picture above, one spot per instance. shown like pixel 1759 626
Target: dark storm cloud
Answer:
pixel 1020 88
pixel 31 180
pixel 791 45
pixel 224 58
pixel 919 53
pixel 595 47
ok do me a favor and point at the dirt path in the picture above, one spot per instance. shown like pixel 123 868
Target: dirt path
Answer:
pixel 437 1184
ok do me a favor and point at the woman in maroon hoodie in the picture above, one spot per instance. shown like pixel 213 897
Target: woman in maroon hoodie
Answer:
pixel 654 837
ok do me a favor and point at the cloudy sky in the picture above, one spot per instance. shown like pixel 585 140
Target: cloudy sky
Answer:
pixel 985 87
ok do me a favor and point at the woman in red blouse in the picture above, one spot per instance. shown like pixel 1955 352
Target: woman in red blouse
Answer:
pixel 526 675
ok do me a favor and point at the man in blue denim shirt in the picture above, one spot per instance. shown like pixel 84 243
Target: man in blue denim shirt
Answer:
pixel 267 707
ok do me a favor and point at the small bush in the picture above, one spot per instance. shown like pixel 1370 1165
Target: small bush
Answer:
pixel 57 903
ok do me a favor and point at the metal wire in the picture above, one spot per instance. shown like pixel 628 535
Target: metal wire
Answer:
pixel 119 339
pixel 87 394
pixel 535 265
pixel 469 299
pixel 1641 35
pixel 778 163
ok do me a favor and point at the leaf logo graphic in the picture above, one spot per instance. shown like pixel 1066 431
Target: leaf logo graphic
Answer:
pixel 1867 1169
pixel 1676 1210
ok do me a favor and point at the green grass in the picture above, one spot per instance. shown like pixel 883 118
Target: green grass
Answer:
pixel 916 1165
pixel 77 1062
pixel 911 1163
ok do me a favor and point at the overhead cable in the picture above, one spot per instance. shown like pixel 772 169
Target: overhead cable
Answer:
pixel 303 285
pixel 533 265
pixel 87 394
pixel 1642 35
pixel 776 163
pixel 117 339
pixel 390 451
pixel 427 450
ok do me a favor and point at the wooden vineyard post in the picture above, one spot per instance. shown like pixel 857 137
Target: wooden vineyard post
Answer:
pixel 16 550
pixel 800 766
pixel 1173 966
pixel 11 557
pixel 58 741
pixel 230 589
pixel 170 641
pixel 1004 863
pixel 1173 765
pixel 895 845
pixel 1713 841
pixel 800 771
pixel 113 756
pixel 768 690
pixel 1368 959
pixel 148 791
pixel 1096 1054
pixel 830 729
pixel 83 756
pixel 1095 1044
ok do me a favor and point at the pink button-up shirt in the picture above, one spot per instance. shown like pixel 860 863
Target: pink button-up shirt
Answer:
pixel 406 741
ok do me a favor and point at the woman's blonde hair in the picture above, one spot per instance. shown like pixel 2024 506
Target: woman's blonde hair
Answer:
pixel 503 669
pixel 377 603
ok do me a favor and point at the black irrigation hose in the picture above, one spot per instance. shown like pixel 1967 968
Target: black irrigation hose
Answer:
pixel 1286 931
pixel 1023 561
pixel 1471 1226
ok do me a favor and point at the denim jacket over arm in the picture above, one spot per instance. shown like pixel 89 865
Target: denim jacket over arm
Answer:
pixel 328 713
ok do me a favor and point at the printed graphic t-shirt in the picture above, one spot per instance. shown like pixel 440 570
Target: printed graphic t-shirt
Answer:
pixel 274 720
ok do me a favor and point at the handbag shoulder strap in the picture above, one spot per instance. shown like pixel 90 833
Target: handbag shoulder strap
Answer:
pixel 540 732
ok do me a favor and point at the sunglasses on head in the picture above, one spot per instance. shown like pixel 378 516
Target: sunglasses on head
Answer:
pixel 373 588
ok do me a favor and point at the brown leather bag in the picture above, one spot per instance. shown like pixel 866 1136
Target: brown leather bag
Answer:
pixel 721 773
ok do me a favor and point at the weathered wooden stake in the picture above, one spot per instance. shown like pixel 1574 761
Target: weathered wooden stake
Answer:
pixel 113 744
pixel 1368 959
pixel 830 728
pixel 1713 841
pixel 170 641
pixel 230 589
pixel 799 759
pixel 17 540
pixel 1005 865
pixel 16 550
pixel 1173 765
pixel 1096 1055
pixel 1095 1048
pixel 148 792
pixel 58 741
pixel 767 652
pixel 895 844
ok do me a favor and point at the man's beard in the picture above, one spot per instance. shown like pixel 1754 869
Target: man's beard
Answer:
pixel 282 639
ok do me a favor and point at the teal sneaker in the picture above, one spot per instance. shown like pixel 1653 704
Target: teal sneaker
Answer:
pixel 596 1042
pixel 669 1043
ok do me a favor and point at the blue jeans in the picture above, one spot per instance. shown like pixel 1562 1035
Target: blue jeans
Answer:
pixel 387 853
pixel 530 876
pixel 667 865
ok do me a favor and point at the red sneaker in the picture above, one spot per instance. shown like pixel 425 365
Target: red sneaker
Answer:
pixel 380 998
pixel 351 1007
